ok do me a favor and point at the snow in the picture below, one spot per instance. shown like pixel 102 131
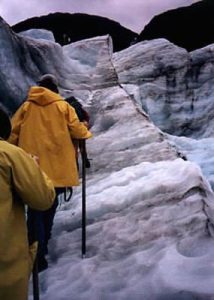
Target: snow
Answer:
pixel 38 34
pixel 138 244
pixel 200 151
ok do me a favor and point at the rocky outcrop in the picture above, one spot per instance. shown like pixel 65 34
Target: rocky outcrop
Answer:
pixel 188 27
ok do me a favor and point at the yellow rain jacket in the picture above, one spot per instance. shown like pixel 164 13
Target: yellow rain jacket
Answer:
pixel 44 126
pixel 21 182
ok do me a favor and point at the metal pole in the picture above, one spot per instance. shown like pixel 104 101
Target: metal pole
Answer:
pixel 35 280
pixel 35 272
pixel 83 153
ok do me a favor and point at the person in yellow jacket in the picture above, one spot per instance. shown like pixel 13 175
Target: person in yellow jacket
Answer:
pixel 22 183
pixel 44 126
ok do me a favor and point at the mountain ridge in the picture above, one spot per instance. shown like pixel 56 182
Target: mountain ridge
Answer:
pixel 68 28
pixel 189 27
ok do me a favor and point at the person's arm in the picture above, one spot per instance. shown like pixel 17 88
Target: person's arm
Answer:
pixel 30 183
pixel 77 129
pixel 16 121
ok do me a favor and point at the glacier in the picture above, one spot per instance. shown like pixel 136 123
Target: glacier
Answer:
pixel 150 201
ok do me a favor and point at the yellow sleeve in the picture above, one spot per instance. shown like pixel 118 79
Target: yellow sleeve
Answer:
pixel 16 121
pixel 77 129
pixel 31 184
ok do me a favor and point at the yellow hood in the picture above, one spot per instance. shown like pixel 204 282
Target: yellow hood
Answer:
pixel 42 96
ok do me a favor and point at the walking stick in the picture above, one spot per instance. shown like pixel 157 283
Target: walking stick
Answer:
pixel 35 272
pixel 83 154
pixel 35 280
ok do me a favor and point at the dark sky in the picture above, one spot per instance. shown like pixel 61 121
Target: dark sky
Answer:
pixel 133 14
